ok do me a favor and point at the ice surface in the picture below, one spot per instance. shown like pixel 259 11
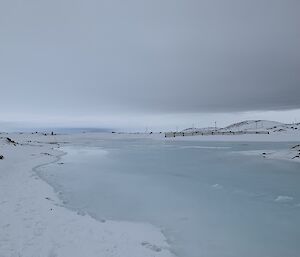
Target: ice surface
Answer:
pixel 208 200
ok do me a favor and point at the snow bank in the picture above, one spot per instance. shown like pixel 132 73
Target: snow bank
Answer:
pixel 291 154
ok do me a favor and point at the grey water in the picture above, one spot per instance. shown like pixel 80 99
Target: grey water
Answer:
pixel 207 198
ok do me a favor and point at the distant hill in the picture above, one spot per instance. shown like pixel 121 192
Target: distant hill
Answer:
pixel 251 125
pixel 200 130
pixel 77 130
pixel 66 130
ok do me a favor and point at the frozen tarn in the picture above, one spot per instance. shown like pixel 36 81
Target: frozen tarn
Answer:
pixel 209 200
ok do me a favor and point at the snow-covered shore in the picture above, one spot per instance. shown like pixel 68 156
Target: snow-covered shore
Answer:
pixel 291 154
pixel 33 221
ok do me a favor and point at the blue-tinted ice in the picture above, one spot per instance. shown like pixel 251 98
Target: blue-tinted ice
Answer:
pixel 209 200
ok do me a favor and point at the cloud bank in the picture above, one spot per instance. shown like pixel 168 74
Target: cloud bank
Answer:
pixel 160 56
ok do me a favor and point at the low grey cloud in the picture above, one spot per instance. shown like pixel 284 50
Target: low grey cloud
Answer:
pixel 160 56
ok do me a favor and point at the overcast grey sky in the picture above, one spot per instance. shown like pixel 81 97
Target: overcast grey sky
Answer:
pixel 139 63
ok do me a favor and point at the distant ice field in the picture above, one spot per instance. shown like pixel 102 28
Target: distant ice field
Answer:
pixel 207 199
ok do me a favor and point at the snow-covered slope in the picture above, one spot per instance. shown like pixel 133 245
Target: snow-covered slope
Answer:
pixel 254 125
pixel 287 128
pixel 200 130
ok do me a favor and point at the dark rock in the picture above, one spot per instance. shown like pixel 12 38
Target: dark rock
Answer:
pixel 1 157
pixel 46 154
pixel 296 146
pixel 10 141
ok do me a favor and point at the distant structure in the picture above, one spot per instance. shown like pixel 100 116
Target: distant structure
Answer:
pixel 214 133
